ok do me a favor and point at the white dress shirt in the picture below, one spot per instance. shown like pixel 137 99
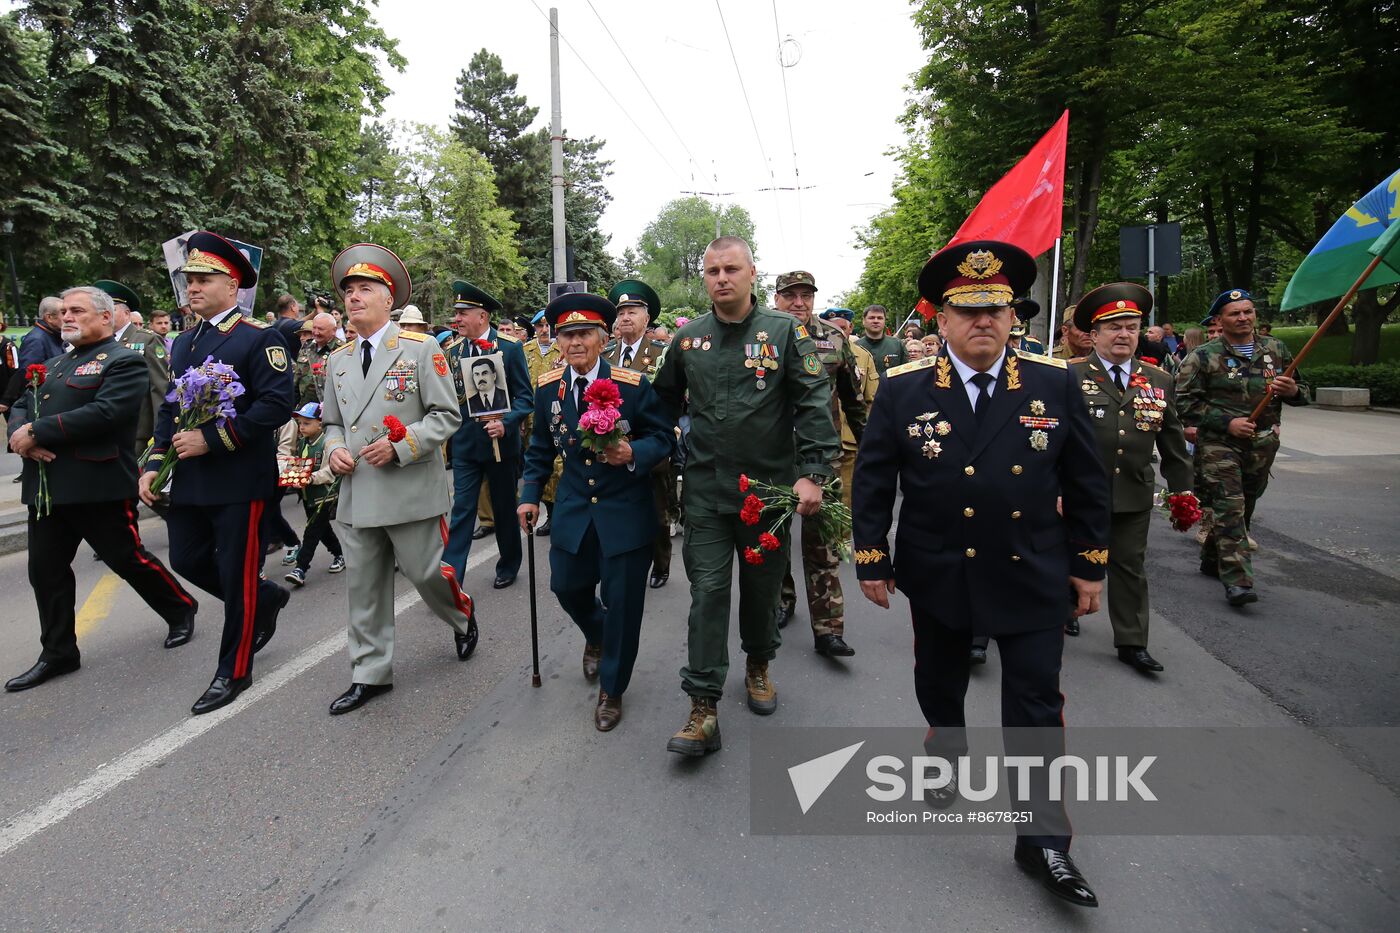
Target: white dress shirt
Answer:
pixel 966 372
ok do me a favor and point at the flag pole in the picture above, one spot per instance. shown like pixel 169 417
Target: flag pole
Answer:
pixel 1053 318
pixel 1317 334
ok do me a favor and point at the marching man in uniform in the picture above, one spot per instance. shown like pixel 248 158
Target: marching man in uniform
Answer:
pixel 227 473
pixel 981 441
pixel 604 517
pixel 390 405
pixel 1132 406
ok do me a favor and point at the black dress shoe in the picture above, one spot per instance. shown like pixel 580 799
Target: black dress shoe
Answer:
pixel 466 644
pixel 1058 873
pixel 945 796
pixel 977 654
pixel 659 578
pixel 1139 658
pixel 222 691
pixel 264 632
pixel 1072 627
pixel 834 646
pixel 1210 568
pixel 358 695
pixel 182 631
pixel 40 672
pixel 503 580
pixel 785 615
pixel 482 531
pixel 542 529
pixel 1240 595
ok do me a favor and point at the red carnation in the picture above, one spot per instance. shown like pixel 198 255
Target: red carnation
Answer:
pixel 394 426
pixel 1152 359
pixel 769 542
pixel 743 482
pixel 483 344
pixel 1184 510
pixel 753 502
pixel 36 374
pixel 748 517
pixel 753 556
pixel 603 393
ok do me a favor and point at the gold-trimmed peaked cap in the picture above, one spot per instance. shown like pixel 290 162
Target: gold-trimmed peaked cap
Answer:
pixel 467 295
pixel 977 274
pixel 1107 302
pixel 373 262
pixel 633 292
pixel 573 310
pixel 210 253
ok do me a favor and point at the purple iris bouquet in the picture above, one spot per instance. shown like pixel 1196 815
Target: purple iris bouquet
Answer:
pixel 203 394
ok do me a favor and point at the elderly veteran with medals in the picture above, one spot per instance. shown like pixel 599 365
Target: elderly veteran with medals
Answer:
pixel 227 474
pixel 485 449
pixel 1132 406
pixel 131 335
pixel 982 441
pixel 638 307
pixel 604 514
pixel 390 405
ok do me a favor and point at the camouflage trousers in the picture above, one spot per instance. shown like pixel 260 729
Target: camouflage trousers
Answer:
pixel 821 571
pixel 1234 475
pixel 663 493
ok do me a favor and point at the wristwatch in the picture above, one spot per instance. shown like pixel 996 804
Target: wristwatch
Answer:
pixel 816 478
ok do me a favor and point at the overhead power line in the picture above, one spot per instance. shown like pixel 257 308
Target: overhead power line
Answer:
pixel 583 61
pixel 758 137
pixel 792 138
pixel 642 81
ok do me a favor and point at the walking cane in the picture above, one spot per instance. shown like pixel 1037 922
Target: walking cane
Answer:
pixel 534 616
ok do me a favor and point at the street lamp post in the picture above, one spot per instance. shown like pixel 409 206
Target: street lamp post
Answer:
pixel 9 228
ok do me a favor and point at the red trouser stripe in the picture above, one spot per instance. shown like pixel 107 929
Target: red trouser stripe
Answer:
pixel 251 559
pixel 152 565
pixel 463 601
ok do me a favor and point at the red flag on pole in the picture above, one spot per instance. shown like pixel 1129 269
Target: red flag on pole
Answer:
pixel 1025 208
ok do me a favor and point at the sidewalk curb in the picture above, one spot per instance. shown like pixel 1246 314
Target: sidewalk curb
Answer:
pixel 14 535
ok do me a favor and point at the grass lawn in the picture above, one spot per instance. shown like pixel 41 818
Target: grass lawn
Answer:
pixel 1338 349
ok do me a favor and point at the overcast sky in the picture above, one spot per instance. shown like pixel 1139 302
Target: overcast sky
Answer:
pixel 846 85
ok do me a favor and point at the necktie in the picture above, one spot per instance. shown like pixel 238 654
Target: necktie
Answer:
pixel 983 381
pixel 364 357
pixel 580 384
pixel 1118 377
pixel 626 357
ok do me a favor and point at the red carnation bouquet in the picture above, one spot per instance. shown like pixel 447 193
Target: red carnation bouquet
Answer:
pixel 601 422
pixel 780 503
pixel 1182 509
pixel 34 377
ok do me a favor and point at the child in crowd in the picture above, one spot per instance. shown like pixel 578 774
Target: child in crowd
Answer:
pixel 318 496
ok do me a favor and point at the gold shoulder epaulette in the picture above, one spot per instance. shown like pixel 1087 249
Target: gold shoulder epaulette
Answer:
pixel 1154 368
pixel 412 335
pixel 507 337
pixel 245 319
pixel 626 375
pixel 915 366
pixel 1043 360
pixel 551 376
pixel 347 347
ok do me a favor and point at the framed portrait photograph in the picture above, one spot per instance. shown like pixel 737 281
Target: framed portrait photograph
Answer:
pixel 485 380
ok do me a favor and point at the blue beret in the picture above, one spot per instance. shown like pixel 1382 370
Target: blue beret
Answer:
pixel 846 313
pixel 1224 298
pixel 539 316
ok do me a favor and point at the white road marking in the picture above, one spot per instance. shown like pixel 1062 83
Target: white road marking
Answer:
pixel 118 771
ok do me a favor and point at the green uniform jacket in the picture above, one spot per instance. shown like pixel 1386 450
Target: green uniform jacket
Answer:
pixel 834 351
pixel 1129 425
pixel 773 428
pixel 888 351
pixel 152 349
pixel 87 411
pixel 311 369
pixel 646 360
pixel 1216 384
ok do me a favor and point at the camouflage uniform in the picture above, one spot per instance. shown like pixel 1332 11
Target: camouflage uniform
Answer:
pixel 821 563
pixel 310 369
pixel 663 477
pixel 1215 384
pixel 539 364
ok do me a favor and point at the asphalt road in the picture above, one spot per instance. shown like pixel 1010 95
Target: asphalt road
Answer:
pixel 467 799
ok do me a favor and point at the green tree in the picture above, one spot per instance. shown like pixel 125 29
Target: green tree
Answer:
pixel 672 247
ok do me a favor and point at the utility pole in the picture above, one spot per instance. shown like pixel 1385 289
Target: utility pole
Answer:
pixel 556 151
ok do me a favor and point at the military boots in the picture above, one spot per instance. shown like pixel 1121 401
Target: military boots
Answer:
pixel 700 735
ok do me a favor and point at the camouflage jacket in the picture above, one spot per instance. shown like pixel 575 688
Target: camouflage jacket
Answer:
pixel 310 370
pixel 848 406
pixel 1216 383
